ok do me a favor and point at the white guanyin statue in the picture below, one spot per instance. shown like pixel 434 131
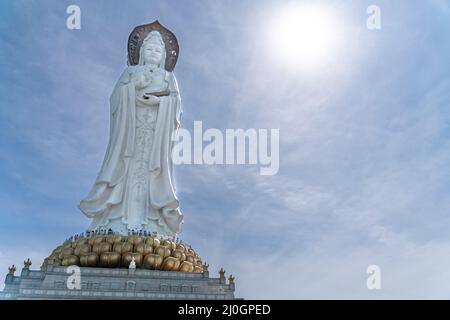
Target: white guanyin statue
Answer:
pixel 135 186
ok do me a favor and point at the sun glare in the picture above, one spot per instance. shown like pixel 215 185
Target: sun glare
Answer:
pixel 303 36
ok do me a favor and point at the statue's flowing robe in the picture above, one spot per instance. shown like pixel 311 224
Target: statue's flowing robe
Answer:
pixel 103 202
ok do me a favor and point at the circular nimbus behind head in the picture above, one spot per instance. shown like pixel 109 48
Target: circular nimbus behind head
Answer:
pixel 137 37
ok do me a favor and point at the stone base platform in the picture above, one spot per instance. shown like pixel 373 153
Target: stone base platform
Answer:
pixel 115 283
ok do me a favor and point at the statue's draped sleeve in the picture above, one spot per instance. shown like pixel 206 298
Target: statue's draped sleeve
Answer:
pixel 109 185
pixel 162 183
pixel 122 130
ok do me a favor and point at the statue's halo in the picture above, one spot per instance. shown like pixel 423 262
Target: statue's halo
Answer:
pixel 138 35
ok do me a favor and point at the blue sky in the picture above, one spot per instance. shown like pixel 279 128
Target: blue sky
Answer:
pixel 364 140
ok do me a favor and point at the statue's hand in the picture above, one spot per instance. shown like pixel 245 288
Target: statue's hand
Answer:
pixel 141 82
pixel 150 99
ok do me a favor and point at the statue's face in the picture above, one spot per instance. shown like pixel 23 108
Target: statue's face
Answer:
pixel 153 53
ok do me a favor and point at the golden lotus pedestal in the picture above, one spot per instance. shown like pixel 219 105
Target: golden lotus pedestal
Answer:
pixel 116 251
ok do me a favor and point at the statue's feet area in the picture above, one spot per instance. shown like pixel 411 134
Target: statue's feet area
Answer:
pixel 117 251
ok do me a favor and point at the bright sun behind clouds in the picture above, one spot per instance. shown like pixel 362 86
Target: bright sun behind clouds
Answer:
pixel 304 36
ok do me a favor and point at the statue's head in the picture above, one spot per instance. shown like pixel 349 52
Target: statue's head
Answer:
pixel 161 36
pixel 153 50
